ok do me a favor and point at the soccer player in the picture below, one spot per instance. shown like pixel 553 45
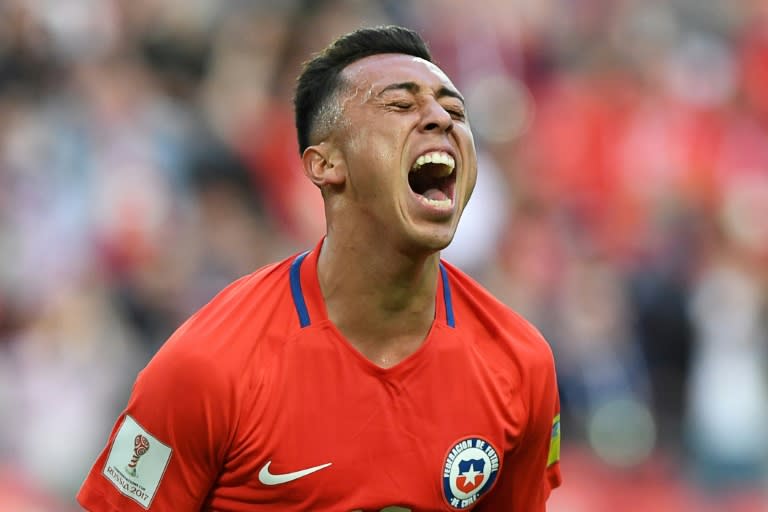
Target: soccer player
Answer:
pixel 365 374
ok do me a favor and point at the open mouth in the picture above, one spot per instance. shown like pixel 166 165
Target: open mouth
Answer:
pixel 433 178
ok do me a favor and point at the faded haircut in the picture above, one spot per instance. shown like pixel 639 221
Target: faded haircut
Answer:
pixel 319 84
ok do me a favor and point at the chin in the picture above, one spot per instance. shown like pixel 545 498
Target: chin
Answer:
pixel 432 240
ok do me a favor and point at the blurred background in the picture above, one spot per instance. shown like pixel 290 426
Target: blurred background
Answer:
pixel 148 158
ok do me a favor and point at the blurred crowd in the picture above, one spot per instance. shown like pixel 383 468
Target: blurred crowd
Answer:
pixel 148 158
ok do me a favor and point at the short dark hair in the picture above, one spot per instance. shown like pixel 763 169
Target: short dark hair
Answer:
pixel 320 77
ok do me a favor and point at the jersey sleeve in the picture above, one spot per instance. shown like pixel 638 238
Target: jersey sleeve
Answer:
pixel 168 445
pixel 532 469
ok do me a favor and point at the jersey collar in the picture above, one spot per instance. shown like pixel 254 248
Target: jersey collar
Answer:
pixel 308 299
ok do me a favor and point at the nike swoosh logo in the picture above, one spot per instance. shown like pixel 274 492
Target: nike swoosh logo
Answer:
pixel 268 478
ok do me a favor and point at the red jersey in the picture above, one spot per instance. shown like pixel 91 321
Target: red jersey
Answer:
pixel 258 402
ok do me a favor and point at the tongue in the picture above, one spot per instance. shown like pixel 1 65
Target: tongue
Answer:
pixel 434 194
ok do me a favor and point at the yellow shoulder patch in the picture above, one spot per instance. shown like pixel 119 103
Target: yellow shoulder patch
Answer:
pixel 554 442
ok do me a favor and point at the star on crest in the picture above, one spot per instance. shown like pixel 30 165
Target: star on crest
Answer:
pixel 471 475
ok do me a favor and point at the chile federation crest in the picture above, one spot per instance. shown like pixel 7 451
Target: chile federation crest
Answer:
pixel 469 471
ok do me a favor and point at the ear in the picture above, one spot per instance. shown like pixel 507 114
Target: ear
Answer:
pixel 323 165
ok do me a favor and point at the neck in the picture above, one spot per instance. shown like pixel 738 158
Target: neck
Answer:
pixel 382 300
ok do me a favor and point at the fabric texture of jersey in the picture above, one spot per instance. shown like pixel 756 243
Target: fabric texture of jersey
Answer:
pixel 258 402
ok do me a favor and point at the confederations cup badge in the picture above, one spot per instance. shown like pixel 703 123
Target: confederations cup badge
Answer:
pixel 469 471
pixel 140 447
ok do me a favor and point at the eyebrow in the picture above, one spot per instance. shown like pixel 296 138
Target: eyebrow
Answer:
pixel 414 88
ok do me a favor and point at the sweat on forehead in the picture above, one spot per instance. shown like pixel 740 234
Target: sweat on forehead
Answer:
pixel 374 70
pixel 370 76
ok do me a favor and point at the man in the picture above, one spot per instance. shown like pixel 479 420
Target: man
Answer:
pixel 365 374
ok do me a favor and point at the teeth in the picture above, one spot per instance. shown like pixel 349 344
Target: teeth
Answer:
pixel 436 157
pixel 439 203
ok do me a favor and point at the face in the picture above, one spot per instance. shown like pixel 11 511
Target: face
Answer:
pixel 407 149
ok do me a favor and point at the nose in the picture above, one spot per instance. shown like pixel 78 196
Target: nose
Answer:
pixel 436 118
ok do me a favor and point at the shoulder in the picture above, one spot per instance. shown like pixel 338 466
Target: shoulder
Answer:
pixel 488 319
pixel 226 334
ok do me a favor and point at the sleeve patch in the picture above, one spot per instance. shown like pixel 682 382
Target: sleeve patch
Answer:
pixel 136 462
pixel 554 442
